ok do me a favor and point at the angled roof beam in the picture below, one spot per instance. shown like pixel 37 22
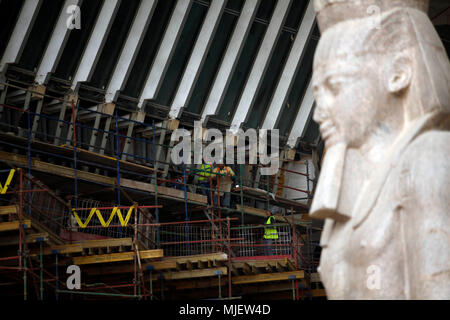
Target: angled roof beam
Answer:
pixel 197 57
pixel 22 29
pixel 96 42
pixel 131 48
pixel 231 57
pixel 303 116
pixel 260 65
pixel 165 50
pixel 290 69
pixel 56 45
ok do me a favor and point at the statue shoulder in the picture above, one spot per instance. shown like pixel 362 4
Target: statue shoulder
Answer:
pixel 425 168
pixel 429 154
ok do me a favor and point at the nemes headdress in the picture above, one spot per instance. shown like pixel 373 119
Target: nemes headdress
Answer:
pixel 403 24
pixel 331 12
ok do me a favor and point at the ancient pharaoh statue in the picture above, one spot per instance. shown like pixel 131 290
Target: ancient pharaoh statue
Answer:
pixel 381 84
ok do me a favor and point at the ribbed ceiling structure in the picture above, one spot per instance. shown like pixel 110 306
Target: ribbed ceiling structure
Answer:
pixel 229 63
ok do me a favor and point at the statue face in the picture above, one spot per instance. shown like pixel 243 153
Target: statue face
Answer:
pixel 346 88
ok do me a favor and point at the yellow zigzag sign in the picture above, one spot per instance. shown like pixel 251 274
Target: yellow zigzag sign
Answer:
pixel 8 181
pixel 123 222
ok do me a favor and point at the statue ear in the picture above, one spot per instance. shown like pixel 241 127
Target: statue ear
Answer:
pixel 400 74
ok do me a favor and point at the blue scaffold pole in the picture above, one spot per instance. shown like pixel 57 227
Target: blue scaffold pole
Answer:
pixel 185 196
pixel 75 170
pixel 29 159
pixel 155 181
pixel 118 165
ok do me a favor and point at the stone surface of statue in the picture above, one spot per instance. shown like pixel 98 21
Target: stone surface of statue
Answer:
pixel 381 84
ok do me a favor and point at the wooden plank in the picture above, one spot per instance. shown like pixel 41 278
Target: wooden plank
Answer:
pixel 218 263
pixel 267 277
pixel 9 209
pixel 107 270
pixel 173 124
pixel 37 236
pixel 202 264
pixel 54 169
pixel 115 257
pixel 111 161
pixel 252 211
pixel 168 263
pixel 14 225
pixel 30 238
pixel 96 178
pixel 315 277
pixel 290 154
pixel 262 213
pixel 290 265
pixel 262 263
pixel 195 258
pixel 161 265
pixel 246 268
pixel 163 191
pixel 62 249
pixel 189 265
pixel 189 274
pixel 279 267
pixel 274 199
pixel 68 172
pixel 319 293
pixel 105 243
pixel 82 154
pixel 255 270
pixel 234 271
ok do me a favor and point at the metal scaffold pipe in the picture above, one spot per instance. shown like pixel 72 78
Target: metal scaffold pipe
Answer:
pixel 41 271
pixel 99 294
pixel 118 164
pixel 155 180
pixel 56 275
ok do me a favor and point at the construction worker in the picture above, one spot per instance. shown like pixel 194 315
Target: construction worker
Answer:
pixel 226 175
pixel 270 234
pixel 204 180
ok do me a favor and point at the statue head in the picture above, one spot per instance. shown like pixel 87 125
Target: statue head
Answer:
pixel 374 75
pixel 372 70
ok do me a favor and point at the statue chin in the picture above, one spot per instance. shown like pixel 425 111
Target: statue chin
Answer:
pixel 326 198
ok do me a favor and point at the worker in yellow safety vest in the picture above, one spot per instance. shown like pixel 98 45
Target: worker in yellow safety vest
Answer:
pixel 270 235
pixel 203 180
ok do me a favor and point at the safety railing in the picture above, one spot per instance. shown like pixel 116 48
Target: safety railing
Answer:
pixel 201 237
pixel 255 244
pixel 41 204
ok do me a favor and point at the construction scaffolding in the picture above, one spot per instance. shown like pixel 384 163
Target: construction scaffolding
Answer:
pixel 94 187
